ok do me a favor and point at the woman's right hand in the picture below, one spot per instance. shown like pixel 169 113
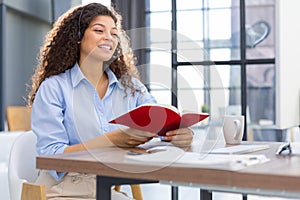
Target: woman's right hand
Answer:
pixel 129 137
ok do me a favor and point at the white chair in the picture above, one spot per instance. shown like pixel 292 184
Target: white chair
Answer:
pixel 22 169
pixel 22 163
pixel 7 140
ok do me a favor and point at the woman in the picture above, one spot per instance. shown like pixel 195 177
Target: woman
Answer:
pixel 85 77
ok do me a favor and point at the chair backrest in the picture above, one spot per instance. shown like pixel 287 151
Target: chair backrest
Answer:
pixel 18 118
pixel 7 140
pixel 22 163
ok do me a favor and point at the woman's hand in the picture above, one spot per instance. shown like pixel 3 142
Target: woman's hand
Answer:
pixel 182 137
pixel 129 137
pixel 122 138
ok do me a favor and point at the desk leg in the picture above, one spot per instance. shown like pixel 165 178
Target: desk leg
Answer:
pixel 103 188
pixel 174 192
pixel 205 195
pixel 104 183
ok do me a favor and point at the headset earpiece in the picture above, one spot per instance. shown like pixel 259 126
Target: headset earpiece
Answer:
pixel 79 21
pixel 79 35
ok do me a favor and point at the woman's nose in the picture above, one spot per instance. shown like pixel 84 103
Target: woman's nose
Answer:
pixel 108 36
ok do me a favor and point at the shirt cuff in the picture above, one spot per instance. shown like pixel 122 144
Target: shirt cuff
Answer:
pixel 58 175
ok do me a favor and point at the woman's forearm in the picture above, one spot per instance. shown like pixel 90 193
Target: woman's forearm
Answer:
pixel 100 141
pixel 121 138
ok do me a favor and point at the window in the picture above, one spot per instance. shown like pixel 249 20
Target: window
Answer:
pixel 217 53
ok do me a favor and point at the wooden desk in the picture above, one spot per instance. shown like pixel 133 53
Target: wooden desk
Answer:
pixel 278 177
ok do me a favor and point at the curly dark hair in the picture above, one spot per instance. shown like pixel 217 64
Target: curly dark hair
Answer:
pixel 60 50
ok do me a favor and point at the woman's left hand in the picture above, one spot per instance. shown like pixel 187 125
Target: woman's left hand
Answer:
pixel 182 137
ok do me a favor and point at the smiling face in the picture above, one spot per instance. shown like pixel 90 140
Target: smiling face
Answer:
pixel 100 39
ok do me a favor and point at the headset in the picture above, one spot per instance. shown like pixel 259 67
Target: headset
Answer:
pixel 79 20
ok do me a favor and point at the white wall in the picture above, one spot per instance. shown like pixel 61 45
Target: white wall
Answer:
pixel 287 63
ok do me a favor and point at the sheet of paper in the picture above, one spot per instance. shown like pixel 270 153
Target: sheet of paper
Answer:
pixel 171 154
pixel 235 162
pixel 239 149
pixel 295 148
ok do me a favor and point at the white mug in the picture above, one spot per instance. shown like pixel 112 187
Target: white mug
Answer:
pixel 233 128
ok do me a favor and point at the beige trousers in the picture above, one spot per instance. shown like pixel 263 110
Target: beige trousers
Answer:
pixel 73 186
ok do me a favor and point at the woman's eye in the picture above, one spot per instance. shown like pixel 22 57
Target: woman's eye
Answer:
pixel 115 35
pixel 97 30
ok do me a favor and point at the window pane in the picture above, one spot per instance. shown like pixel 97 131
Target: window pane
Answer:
pixel 261 93
pixel 161 58
pixel 189 37
pixel 220 76
pixel 190 77
pixel 220 54
pixel 219 24
pixel 162 96
pixel 231 79
pixel 223 32
pixel 189 24
pixel 220 3
pixel 235 31
pixel 190 99
pixel 188 4
pixel 158 5
pixel 214 86
pixel 190 55
pixel 160 70
pixel 160 36
pixel 191 87
pixel 161 20
pixel 260 29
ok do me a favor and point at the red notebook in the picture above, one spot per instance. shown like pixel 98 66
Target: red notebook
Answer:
pixel 158 118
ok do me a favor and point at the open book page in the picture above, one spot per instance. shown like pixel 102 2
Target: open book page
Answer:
pixel 164 106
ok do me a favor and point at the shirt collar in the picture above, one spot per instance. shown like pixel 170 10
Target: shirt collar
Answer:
pixel 77 76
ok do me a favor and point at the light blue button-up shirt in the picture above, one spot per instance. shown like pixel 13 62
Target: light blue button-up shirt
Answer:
pixel 67 110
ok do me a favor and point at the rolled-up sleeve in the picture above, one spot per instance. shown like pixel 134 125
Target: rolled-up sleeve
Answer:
pixel 47 121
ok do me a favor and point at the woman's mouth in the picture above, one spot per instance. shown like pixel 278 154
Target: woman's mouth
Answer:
pixel 104 46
